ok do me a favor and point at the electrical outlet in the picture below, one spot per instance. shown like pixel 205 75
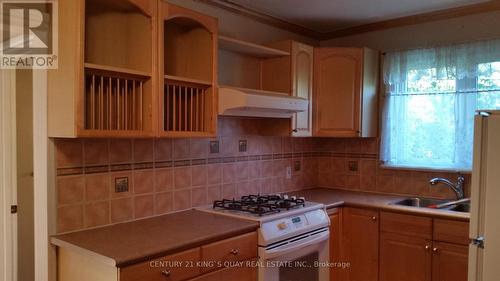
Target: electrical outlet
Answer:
pixel 242 146
pixel 214 146
pixel 288 172
pixel 121 184
pixel 296 165
pixel 352 166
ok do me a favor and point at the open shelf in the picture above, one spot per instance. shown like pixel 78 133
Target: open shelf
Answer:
pixel 172 78
pixel 119 34
pixel 188 49
pixel 247 48
pixel 256 91
pixel 116 70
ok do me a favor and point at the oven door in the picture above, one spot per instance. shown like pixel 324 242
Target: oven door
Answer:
pixel 296 259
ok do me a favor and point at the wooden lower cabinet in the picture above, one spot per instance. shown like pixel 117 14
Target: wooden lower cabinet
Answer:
pixel 335 242
pixel 148 271
pixel 449 262
pixel 243 247
pixel 404 257
pixel 415 248
pixel 360 244
pixel 240 251
pixel 230 274
pixel 390 246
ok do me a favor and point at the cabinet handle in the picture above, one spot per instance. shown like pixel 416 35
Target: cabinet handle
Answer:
pixel 374 218
pixel 235 252
pixel 435 250
pixel 165 273
pixel 427 247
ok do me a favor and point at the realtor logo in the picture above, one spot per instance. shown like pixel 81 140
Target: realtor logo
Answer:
pixel 29 34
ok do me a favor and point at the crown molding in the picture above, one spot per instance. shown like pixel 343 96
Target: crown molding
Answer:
pixel 415 19
pixel 261 17
pixel 479 8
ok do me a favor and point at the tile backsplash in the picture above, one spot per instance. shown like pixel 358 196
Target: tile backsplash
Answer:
pixel 166 175
pixel 354 164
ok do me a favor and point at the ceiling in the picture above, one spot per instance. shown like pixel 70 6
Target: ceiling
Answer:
pixel 331 15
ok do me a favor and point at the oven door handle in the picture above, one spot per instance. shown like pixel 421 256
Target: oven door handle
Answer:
pixel 297 245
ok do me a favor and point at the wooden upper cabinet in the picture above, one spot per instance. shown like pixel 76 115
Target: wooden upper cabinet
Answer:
pixel 302 57
pixel 105 85
pixel 188 66
pixel 292 74
pixel 360 247
pixel 345 92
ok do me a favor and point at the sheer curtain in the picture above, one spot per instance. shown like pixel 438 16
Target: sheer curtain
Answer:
pixel 429 103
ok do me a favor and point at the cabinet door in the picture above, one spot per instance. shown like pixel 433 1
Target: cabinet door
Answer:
pixel 404 257
pixel 335 243
pixel 360 244
pixel 302 79
pixel 337 76
pixel 449 262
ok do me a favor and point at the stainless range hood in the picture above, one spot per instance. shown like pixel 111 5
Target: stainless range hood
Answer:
pixel 256 103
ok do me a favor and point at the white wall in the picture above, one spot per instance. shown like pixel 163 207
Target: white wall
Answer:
pixel 457 30
pixel 243 28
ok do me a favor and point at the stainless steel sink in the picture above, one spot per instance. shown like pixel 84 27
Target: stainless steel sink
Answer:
pixel 464 208
pixel 419 202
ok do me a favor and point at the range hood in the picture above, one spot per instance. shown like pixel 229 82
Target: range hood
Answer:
pixel 256 103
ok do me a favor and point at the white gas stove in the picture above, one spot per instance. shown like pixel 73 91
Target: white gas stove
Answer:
pixel 292 231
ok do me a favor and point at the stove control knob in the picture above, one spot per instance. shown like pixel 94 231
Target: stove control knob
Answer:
pixel 285 196
pixel 294 198
pixel 282 225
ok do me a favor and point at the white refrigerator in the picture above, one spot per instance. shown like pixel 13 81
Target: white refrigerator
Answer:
pixel 484 232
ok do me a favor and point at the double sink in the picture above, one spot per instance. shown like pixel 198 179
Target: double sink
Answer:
pixel 462 205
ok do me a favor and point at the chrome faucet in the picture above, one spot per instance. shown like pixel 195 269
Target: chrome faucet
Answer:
pixel 458 188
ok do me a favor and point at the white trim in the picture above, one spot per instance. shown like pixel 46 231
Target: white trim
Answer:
pixel 40 166
pixel 8 176
pixel 425 169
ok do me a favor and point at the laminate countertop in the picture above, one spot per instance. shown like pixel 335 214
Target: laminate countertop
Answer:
pixel 132 242
pixel 333 198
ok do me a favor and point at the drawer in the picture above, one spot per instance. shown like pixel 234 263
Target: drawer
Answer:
pixel 239 248
pixel 406 224
pixel 456 232
pixel 230 274
pixel 175 267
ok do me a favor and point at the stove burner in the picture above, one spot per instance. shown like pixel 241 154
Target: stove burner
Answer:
pixel 260 204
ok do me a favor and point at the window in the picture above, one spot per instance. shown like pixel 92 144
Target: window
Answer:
pixel 430 101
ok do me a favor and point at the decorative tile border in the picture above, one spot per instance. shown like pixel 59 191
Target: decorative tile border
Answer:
pixel 179 163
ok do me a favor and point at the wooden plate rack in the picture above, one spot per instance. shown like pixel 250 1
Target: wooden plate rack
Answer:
pixel 185 106
pixel 114 101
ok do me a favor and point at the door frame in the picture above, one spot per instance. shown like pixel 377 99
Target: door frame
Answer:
pixel 44 259
pixel 8 175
